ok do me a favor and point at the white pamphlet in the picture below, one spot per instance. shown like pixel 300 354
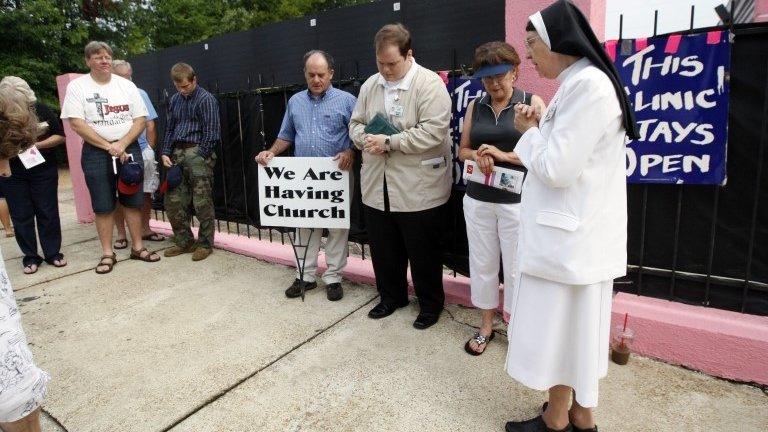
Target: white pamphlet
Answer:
pixel 501 178
pixel 31 157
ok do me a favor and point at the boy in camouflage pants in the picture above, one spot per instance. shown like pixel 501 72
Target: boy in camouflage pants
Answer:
pixel 196 188
pixel 192 132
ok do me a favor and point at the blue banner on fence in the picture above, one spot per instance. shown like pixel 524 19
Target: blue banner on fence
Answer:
pixel 462 92
pixel 679 88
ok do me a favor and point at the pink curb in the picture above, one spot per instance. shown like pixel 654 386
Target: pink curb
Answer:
pixel 721 343
pixel 357 270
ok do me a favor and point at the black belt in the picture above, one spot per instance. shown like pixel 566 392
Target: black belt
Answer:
pixel 184 145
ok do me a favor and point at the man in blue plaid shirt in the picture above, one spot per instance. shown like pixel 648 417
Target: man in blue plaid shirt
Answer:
pixel 191 135
pixel 316 125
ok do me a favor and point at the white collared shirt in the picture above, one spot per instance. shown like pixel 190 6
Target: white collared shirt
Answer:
pixel 392 88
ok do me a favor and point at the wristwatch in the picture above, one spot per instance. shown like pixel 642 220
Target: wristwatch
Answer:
pixel 386 144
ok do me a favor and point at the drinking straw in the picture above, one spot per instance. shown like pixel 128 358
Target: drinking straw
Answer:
pixel 624 330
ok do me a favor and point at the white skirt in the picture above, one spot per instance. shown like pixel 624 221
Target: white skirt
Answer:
pixel 558 335
pixel 22 384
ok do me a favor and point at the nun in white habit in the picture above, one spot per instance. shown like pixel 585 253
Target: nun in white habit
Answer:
pixel 573 221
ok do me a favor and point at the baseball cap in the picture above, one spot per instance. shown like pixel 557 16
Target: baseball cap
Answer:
pixel 172 179
pixel 131 178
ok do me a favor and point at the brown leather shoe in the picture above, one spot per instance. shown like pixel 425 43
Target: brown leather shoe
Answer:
pixel 178 250
pixel 201 253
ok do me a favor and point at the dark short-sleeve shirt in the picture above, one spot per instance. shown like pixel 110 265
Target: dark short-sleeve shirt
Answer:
pixel 498 131
pixel 51 125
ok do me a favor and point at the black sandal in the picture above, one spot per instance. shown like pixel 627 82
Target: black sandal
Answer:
pixel 136 255
pixel 57 260
pixel 32 270
pixel 120 243
pixel 112 261
pixel 154 237
pixel 480 340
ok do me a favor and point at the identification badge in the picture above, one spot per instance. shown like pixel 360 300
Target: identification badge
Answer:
pixel 550 111
pixel 31 157
pixel 397 110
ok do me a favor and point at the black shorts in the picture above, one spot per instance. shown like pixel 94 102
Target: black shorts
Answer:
pixel 102 180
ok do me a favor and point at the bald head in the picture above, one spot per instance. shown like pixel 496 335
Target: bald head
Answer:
pixel 318 71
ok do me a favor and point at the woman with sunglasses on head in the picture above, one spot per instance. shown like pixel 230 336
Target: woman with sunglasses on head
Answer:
pixel 492 215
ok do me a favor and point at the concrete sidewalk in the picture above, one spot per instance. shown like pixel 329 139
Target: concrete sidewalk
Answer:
pixel 216 346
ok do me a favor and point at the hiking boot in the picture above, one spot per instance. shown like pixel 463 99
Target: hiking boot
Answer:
pixel 334 292
pixel 201 253
pixel 294 290
pixel 178 250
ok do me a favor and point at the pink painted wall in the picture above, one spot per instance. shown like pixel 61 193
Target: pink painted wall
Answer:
pixel 83 207
pixel 761 10
pixel 517 13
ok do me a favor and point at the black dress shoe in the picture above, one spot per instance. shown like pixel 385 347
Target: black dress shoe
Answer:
pixel 426 320
pixel 382 310
pixel 294 290
pixel 334 291
pixel 575 429
pixel 533 425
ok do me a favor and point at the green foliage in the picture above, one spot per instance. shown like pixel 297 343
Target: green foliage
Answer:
pixel 45 38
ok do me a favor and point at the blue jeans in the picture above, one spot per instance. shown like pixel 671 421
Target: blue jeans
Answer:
pixel 102 180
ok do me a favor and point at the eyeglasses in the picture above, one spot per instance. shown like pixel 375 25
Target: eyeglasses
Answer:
pixel 529 41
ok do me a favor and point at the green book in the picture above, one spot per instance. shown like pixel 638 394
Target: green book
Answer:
pixel 379 124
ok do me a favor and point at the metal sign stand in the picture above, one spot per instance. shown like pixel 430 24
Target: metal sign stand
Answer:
pixel 298 243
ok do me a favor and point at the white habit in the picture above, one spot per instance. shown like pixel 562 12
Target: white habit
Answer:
pixel 572 239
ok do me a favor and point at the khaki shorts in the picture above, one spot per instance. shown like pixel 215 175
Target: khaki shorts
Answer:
pixel 151 176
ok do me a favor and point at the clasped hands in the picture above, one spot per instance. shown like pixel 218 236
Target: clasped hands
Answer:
pixel 526 117
pixel 374 144
pixel 117 149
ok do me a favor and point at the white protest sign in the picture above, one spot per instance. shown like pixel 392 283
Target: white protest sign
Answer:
pixel 304 192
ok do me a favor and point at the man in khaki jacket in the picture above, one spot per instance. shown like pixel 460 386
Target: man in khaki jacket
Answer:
pixel 405 177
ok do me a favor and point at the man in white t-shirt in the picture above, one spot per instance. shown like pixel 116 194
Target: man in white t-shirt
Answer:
pixel 108 113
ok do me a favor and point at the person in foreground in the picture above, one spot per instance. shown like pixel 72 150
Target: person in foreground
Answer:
pixel 22 383
pixel 573 221
pixel 405 178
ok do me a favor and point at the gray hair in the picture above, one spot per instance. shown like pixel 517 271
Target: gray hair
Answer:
pixel 20 87
pixel 93 47
pixel 121 63
pixel 326 56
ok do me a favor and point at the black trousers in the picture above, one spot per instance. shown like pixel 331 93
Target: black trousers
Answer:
pixel 399 238
pixel 32 196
